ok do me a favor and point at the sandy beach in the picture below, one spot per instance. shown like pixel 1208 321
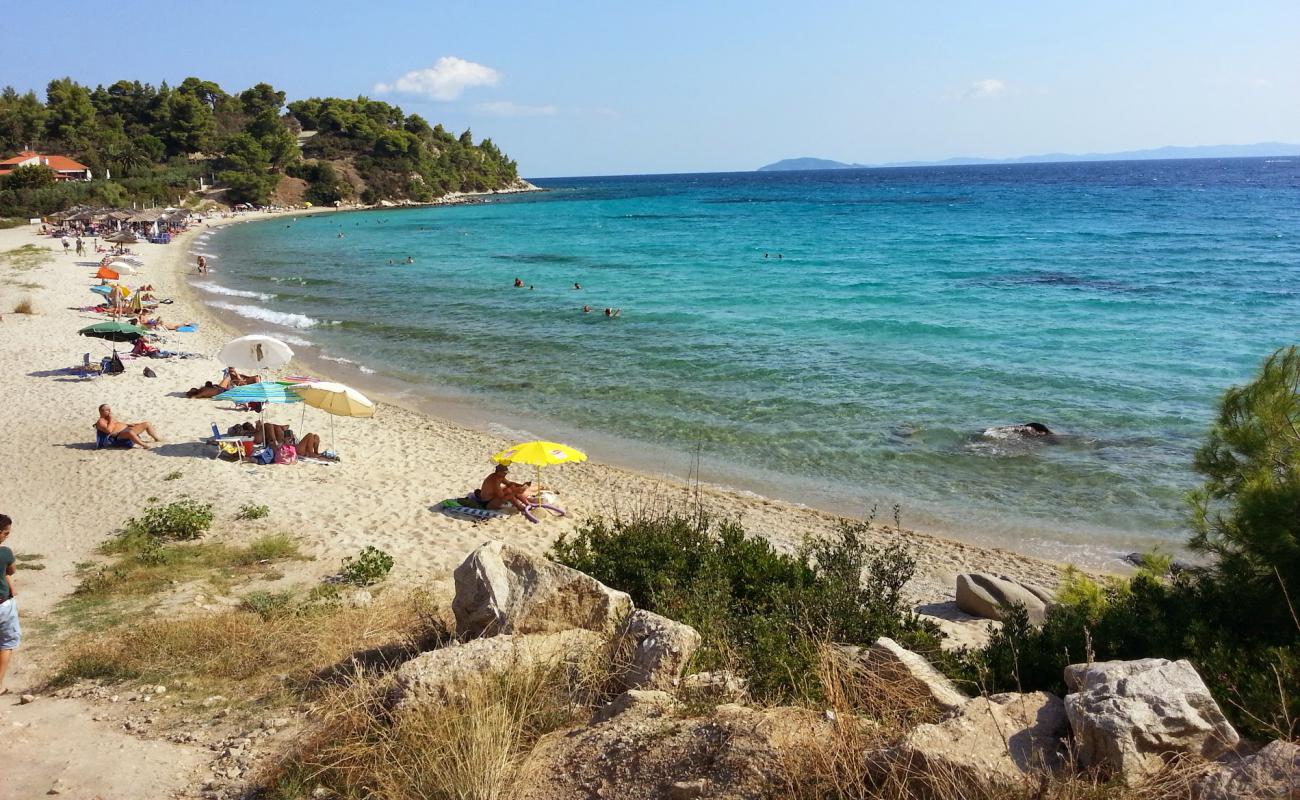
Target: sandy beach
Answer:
pixel 66 497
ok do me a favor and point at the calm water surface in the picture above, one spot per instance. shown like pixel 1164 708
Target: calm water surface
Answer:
pixel 837 338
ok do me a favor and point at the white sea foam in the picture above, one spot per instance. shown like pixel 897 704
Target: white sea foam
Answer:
pixel 366 370
pixel 288 338
pixel 215 288
pixel 338 359
pixel 267 315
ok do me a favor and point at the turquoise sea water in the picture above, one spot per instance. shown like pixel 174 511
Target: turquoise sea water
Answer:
pixel 838 338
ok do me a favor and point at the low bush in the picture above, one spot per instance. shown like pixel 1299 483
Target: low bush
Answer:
pixel 250 511
pixel 368 567
pixel 763 613
pixel 24 306
pixel 183 520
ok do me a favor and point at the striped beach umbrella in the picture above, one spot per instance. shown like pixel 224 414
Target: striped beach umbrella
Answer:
pixel 263 392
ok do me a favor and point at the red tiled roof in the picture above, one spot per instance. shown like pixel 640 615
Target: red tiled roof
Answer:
pixel 56 163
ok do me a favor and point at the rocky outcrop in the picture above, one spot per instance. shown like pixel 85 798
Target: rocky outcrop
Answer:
pixel 1271 774
pixel 901 678
pixel 646 754
pixel 503 590
pixel 985 595
pixel 1129 716
pixel 636 701
pixel 452 670
pixel 716 687
pixel 652 651
pixel 990 741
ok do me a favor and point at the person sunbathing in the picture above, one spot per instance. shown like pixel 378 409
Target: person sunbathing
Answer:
pixel 157 322
pixel 130 431
pixel 209 389
pixel 497 492
pixel 309 446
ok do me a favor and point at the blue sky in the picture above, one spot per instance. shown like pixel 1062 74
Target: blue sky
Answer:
pixel 589 88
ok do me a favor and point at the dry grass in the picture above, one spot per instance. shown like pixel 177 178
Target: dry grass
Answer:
pixel 263 654
pixel 470 744
pixel 24 306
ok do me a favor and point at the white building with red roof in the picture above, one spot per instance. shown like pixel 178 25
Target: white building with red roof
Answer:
pixel 65 169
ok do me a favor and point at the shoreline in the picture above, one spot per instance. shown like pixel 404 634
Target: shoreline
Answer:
pixel 395 469
pixel 1093 547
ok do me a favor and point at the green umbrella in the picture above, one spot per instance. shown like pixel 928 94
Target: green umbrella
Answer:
pixel 114 331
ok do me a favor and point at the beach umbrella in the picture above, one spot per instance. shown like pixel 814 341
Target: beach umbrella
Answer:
pixel 122 238
pixel 255 353
pixel 540 454
pixel 107 274
pixel 123 266
pixel 334 399
pixel 113 331
pixel 262 392
pixel 104 290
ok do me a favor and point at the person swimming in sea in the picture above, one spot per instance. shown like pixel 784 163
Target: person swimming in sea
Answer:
pixel 586 309
pixel 613 312
pixel 410 260
pixel 577 286
pixel 519 283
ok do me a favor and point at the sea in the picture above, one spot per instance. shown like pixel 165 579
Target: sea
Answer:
pixel 849 340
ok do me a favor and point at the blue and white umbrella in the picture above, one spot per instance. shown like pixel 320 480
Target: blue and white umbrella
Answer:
pixel 263 392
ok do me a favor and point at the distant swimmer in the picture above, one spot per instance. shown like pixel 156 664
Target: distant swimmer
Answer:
pixel 613 312
pixel 586 309
pixel 577 286
pixel 765 255
pixel 340 234
pixel 531 288
pixel 519 283
pixel 410 260
pixel 778 255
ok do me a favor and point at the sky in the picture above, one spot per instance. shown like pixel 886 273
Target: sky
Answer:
pixel 602 88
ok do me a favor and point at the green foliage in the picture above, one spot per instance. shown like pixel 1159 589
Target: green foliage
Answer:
pixel 32 176
pixel 252 511
pixel 1234 619
pixel 174 475
pixel 275 547
pixel 147 136
pixel 183 520
pixel 268 605
pixel 367 568
pixel 760 611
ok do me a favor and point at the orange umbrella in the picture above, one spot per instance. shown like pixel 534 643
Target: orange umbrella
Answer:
pixel 107 274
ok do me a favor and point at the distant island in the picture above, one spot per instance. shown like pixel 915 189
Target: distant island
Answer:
pixel 1206 151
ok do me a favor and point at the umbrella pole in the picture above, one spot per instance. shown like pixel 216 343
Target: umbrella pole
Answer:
pixel 332 447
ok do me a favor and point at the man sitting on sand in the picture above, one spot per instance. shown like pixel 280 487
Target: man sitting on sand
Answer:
pixel 497 492
pixel 129 431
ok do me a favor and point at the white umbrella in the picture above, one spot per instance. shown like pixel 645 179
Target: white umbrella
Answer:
pixel 255 353
pixel 122 266
pixel 335 399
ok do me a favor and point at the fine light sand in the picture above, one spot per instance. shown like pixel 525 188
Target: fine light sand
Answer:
pixel 66 498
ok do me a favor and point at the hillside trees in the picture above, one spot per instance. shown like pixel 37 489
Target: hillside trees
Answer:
pixel 157 140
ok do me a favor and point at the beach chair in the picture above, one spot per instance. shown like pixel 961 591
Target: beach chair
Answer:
pixel 105 442
pixel 227 443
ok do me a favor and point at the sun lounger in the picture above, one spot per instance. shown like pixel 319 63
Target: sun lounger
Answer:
pixel 227 443
pixel 105 442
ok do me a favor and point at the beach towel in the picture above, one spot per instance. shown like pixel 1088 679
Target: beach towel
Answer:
pixel 454 509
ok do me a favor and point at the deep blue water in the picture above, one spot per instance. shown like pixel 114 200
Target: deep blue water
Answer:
pixel 841 338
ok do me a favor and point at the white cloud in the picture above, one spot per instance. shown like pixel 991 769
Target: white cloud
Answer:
pixel 446 80
pixel 505 108
pixel 988 87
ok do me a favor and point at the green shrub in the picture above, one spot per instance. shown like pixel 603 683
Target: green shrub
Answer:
pixel 173 476
pixel 759 611
pixel 251 511
pixel 367 568
pixel 277 546
pixel 182 520
pixel 268 605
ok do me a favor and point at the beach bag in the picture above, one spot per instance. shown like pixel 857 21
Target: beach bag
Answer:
pixel 149 373
pixel 264 456
pixel 115 365
pixel 286 454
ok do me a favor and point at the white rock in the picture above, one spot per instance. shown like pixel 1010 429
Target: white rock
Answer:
pixel 898 671
pixel 655 649
pixel 1273 772
pixel 985 595
pixel 1129 716
pixel 503 590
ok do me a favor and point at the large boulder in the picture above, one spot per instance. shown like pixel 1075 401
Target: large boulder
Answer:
pixel 1129 716
pixel 986 595
pixel 893 678
pixel 990 742
pixel 652 651
pixel 1271 774
pixel 456 669
pixel 503 590
pixel 636 701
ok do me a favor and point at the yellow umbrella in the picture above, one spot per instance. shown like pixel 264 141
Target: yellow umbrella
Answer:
pixel 540 454
pixel 335 399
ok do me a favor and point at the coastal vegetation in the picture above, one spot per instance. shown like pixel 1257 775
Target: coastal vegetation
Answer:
pixel 1235 617
pixel 763 614
pixel 160 143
